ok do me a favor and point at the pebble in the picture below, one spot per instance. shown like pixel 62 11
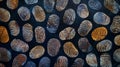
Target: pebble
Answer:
pixel 117 40
pixel 40 34
pixel 61 4
pixel 4 15
pixel 4 36
pixel 62 61
pixel 91 60
pixel 69 16
pixel 70 50
pixel 82 10
pixel 14 28
pixel 24 13
pixel 49 5
pixel 12 4
pixel 85 27
pixel 36 52
pixel 53 23
pixel 105 60
pixel 19 45
pixel 30 64
pixel 84 45
pixel 79 62
pixel 99 33
pixel 94 4
pixel 19 60
pixel 76 1
pixel 2 65
pixel 116 55
pixel 53 47
pixel 101 18
pixel 31 1
pixel 44 62
pixel 27 31
pixel 67 33
pixel 38 13
pixel 5 55
pixel 1 0
pixel 104 45
pixel 115 26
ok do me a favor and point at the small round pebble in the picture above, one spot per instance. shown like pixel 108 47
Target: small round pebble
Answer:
pixel 12 4
pixel 116 55
pixel 44 62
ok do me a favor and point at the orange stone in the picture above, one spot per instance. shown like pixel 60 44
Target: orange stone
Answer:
pixel 12 4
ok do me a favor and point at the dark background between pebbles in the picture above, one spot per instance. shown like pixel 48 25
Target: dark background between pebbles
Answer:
pixel 14 16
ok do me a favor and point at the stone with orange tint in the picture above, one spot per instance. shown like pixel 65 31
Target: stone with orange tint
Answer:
pixel 12 4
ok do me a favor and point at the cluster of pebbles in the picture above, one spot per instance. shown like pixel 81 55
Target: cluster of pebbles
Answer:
pixel 46 33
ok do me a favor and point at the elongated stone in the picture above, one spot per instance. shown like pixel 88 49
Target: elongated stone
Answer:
pixel 82 10
pixel 95 4
pixel 62 61
pixel 91 60
pixel 84 45
pixel 24 13
pixel 79 62
pixel 4 36
pixel 31 1
pixel 14 28
pixel 53 47
pixel 67 33
pixel 40 34
pixel 104 46
pixel 99 33
pixel 19 45
pixel 117 40
pixel 30 64
pixel 49 5
pixel 4 15
pixel 2 65
pixel 61 4
pixel 70 50
pixel 44 62
pixel 115 26
pixel 84 28
pixel 53 23
pixel 5 55
pixel 19 60
pixel 27 32
pixel 69 16
pixel 38 13
pixel 116 55
pixel 105 60
pixel 36 52
pixel 101 18
pixel 12 4
pixel 76 1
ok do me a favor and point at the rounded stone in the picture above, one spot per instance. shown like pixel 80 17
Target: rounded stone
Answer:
pixel 76 1
pixel 36 52
pixel 70 50
pixel 30 64
pixel 78 62
pixel 12 4
pixel 99 33
pixel 117 40
pixel 44 62
pixel 116 55
pixel 2 65
pixel 31 1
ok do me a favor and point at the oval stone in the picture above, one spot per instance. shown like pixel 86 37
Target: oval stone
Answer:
pixel 40 34
pixel 14 28
pixel 4 15
pixel 104 46
pixel 76 1
pixel 95 4
pixel 117 40
pixel 91 60
pixel 38 13
pixel 70 50
pixel 30 64
pixel 79 62
pixel 101 18
pixel 53 23
pixel 19 45
pixel 116 55
pixel 4 36
pixel 99 33
pixel 115 26
pixel 61 4
pixel 49 5
pixel 84 45
pixel 31 1
pixel 62 61
pixel 19 60
pixel 44 62
pixel 53 47
pixel 24 13
pixel 36 52
pixel 5 55
pixel 27 32
pixel 67 33
pixel 69 16
pixel 85 27
pixel 82 10
pixel 12 4
pixel 2 65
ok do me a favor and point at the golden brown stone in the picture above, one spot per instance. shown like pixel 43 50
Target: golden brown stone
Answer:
pixel 117 40
pixel 12 4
